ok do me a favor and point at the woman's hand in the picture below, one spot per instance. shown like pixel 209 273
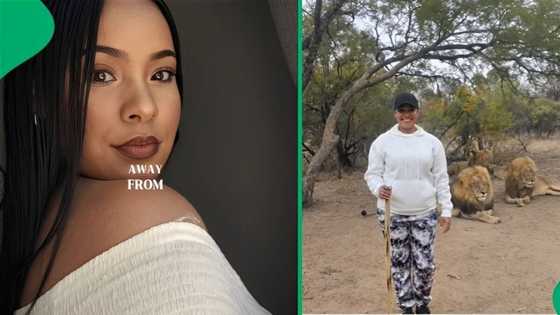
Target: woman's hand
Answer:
pixel 444 223
pixel 385 192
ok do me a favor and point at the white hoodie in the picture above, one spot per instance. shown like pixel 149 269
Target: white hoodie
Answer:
pixel 414 165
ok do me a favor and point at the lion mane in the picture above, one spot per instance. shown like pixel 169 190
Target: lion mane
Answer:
pixel 473 195
pixel 523 183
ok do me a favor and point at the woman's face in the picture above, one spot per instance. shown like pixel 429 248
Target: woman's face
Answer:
pixel 406 117
pixel 134 104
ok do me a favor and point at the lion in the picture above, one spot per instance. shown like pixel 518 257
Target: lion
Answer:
pixel 475 156
pixel 472 195
pixel 523 183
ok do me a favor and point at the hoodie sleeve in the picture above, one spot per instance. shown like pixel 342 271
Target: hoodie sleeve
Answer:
pixel 376 168
pixel 441 180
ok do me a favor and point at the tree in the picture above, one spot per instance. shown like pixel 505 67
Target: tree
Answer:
pixel 317 27
pixel 339 62
pixel 545 116
pixel 520 39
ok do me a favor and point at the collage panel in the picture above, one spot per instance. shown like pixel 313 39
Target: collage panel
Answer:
pixel 148 157
pixel 279 157
pixel 431 156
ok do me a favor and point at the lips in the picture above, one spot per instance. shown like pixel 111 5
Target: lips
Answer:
pixel 139 148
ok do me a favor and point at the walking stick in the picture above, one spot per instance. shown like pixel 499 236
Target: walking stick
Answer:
pixel 388 253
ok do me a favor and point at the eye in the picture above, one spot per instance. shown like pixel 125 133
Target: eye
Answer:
pixel 102 76
pixel 163 75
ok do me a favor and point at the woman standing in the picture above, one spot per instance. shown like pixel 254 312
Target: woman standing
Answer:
pixel 408 166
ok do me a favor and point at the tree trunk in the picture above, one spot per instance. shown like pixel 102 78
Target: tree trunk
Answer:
pixel 328 143
pixel 338 157
pixel 330 138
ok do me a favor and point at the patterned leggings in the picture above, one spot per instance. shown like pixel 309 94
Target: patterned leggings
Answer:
pixel 412 261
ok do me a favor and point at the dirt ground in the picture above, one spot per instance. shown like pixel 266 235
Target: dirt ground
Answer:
pixel 511 267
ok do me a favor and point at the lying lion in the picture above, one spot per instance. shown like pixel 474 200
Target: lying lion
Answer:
pixel 472 195
pixel 523 183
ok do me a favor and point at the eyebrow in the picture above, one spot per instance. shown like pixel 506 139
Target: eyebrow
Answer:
pixel 117 53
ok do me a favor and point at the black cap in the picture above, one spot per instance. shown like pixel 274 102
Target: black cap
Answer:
pixel 405 99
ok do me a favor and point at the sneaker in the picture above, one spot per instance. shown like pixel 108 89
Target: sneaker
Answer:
pixel 407 310
pixel 422 309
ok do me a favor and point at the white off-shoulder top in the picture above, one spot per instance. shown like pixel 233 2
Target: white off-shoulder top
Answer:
pixel 172 268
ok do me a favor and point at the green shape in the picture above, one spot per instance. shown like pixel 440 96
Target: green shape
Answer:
pixel 26 26
pixel 556 298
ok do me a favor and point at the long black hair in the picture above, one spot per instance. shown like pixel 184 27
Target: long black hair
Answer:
pixel 45 105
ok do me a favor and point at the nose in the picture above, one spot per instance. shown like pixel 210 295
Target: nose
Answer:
pixel 140 105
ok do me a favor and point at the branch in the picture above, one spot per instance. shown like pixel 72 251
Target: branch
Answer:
pixel 317 25
pixel 469 47
pixel 423 75
pixel 405 61
pixel 466 77
pixel 377 34
pixel 477 31
pixel 449 57
pixel 500 71
pixel 409 25
pixel 312 108
pixel 312 42
pixel 452 124
pixel 308 149
pixel 530 69
pixel 399 47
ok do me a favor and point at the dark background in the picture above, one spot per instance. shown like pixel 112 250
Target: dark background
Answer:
pixel 236 159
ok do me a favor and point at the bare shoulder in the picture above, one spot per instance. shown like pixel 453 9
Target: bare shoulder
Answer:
pixel 103 214
pixel 109 212
pixel 138 207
